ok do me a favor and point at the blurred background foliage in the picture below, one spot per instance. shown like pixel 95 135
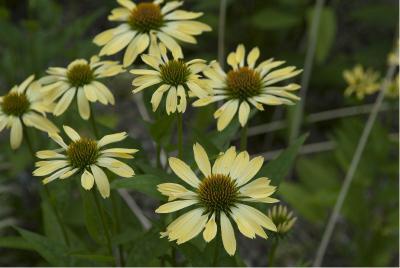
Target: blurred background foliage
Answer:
pixel 36 34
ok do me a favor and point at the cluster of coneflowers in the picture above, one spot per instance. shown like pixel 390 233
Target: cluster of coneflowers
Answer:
pixel 222 192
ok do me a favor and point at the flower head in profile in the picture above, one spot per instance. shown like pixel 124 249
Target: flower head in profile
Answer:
pixel 283 219
pixel 24 105
pixel 144 25
pixel 223 194
pixel 86 157
pixel 361 82
pixel 174 77
pixel 247 85
pixel 80 79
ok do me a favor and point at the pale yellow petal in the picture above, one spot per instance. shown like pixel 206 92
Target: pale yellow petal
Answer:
pixel 253 56
pixel 183 171
pixel 244 111
pixel 202 160
pixel 175 205
pixel 87 180
pixel 83 104
pixel 72 134
pixel 16 133
pixel 101 181
pixel 228 235
pixel 210 230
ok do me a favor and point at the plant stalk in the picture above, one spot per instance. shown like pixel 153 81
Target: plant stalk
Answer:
pixel 243 138
pixel 179 123
pixel 103 221
pixel 217 246
pixel 308 64
pixel 93 122
pixel 46 190
pixel 272 252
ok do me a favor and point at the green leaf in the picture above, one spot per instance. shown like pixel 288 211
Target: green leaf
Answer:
pixel 148 248
pixel 278 168
pixel 53 252
pixel 161 129
pixel 377 14
pixel 143 183
pixel 326 32
pixel 92 217
pixel 52 227
pixel 94 257
pixel 194 256
pixel 273 19
pixel 15 242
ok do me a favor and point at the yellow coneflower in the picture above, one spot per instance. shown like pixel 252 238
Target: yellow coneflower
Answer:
pixel 144 25
pixel 219 197
pixel 175 77
pixel 80 79
pixel 86 157
pixel 246 85
pixel 361 82
pixel 282 218
pixel 25 105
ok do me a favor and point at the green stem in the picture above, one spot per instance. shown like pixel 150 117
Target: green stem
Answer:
pixel 158 156
pixel 46 190
pixel 93 122
pixel 271 256
pixel 103 221
pixel 118 227
pixel 179 123
pixel 217 246
pixel 243 138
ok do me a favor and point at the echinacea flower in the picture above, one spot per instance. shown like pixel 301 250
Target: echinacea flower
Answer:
pixel 144 25
pixel 361 82
pixel 87 157
pixel 218 198
pixel 282 218
pixel 24 105
pixel 247 85
pixel 174 77
pixel 80 79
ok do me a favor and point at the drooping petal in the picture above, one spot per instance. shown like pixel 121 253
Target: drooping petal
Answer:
pixel 16 133
pixel 101 180
pixel 244 111
pixel 87 180
pixel 227 114
pixel 83 104
pixel 228 235
pixel 210 229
